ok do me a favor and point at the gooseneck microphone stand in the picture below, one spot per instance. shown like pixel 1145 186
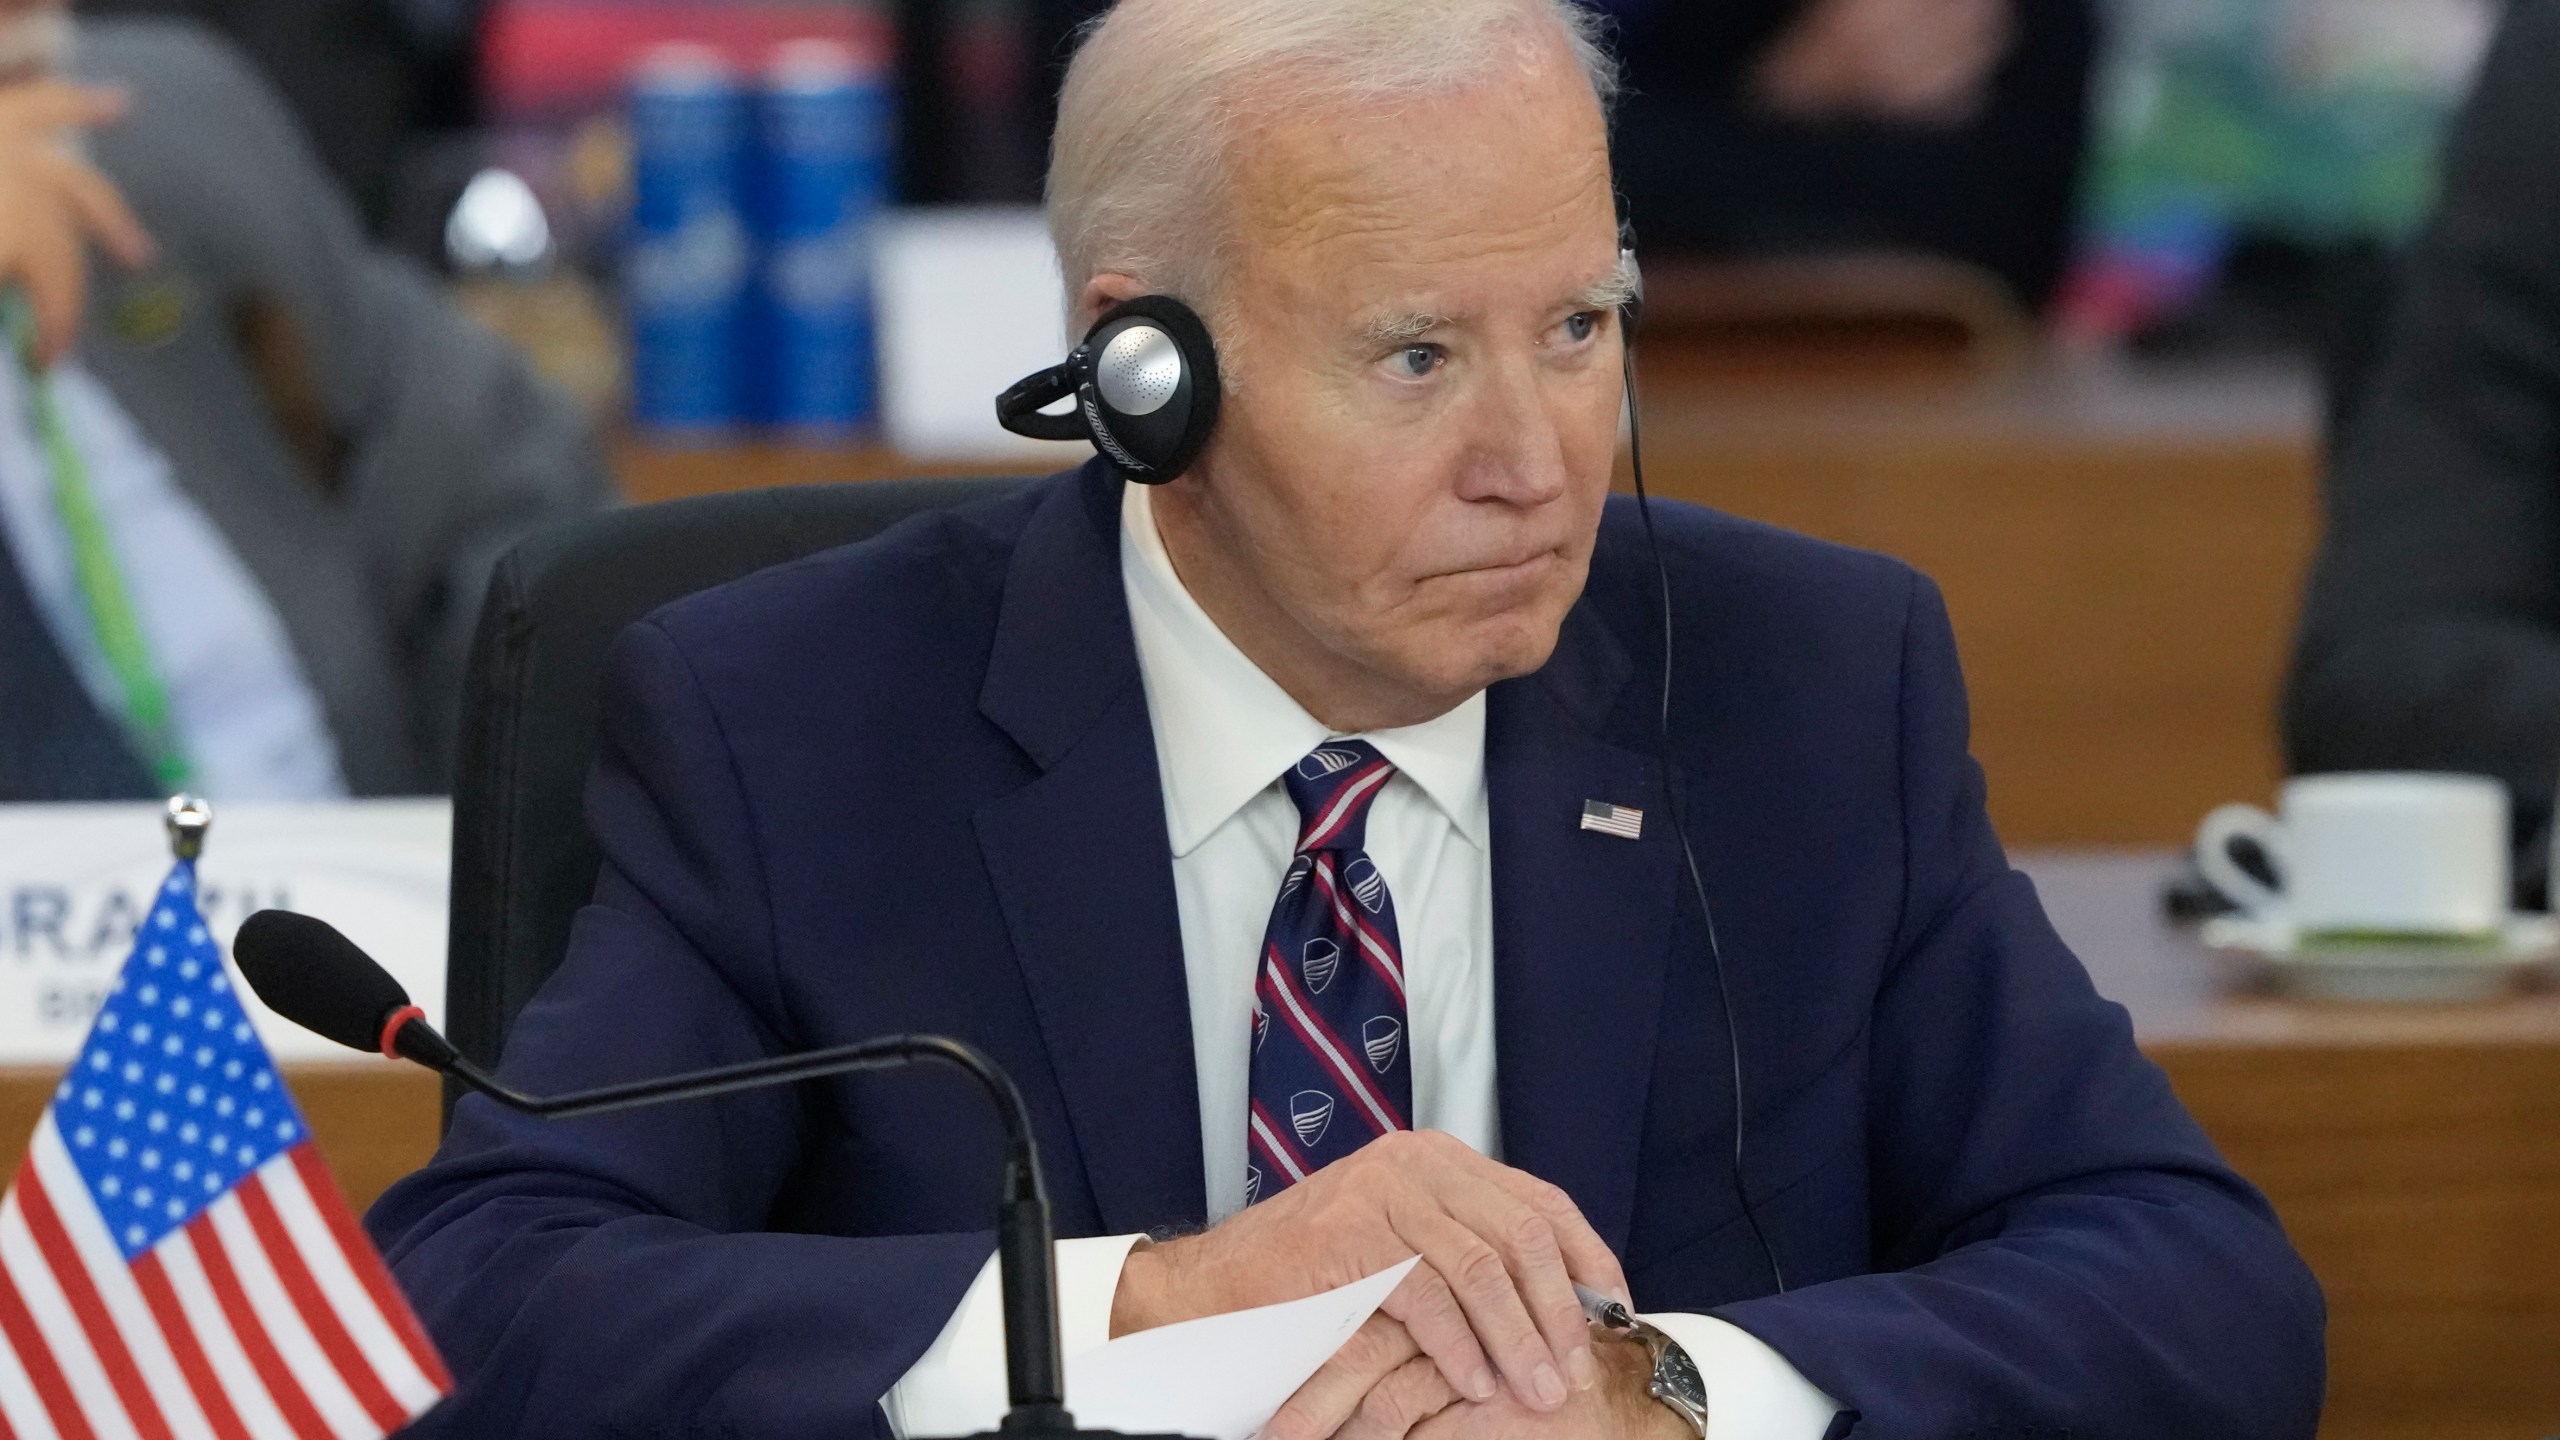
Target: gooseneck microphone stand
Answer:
pixel 1035 1376
pixel 308 972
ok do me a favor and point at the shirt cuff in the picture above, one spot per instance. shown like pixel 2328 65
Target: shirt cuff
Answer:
pixel 1752 1392
pixel 958 1387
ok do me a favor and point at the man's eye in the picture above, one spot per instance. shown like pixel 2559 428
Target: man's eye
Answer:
pixel 1581 327
pixel 1417 361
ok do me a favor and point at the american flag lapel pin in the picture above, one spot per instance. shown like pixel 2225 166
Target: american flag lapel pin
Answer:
pixel 1625 822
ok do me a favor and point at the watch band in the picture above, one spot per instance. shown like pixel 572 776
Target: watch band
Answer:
pixel 1676 1382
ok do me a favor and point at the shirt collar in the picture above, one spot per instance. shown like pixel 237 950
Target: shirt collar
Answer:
pixel 1225 731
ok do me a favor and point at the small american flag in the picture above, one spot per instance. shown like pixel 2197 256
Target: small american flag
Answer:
pixel 175 1263
pixel 1608 819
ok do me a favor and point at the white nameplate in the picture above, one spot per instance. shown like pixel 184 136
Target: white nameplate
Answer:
pixel 75 880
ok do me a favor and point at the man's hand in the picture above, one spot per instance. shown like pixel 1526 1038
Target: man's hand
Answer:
pixel 1501 1251
pixel 1378 1386
pixel 52 203
pixel 1924 61
pixel 1619 1407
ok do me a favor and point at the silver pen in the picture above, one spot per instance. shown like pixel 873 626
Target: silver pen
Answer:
pixel 1600 1310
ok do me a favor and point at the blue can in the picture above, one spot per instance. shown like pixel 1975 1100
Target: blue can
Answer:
pixel 686 268
pixel 823 144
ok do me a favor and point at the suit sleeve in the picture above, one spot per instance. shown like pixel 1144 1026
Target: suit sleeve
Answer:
pixel 2057 1248
pixel 441 444
pixel 2431 635
pixel 614 1276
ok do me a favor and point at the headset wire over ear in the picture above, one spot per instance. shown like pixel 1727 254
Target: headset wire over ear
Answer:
pixel 1629 314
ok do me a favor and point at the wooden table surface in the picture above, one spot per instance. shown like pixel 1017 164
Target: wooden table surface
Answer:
pixel 2413 1152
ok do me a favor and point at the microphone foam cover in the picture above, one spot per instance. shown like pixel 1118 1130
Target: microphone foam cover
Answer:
pixel 317 978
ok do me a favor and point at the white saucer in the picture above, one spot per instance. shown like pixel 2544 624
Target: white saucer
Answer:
pixel 2525 947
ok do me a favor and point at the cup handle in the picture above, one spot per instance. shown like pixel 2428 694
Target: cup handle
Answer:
pixel 2213 856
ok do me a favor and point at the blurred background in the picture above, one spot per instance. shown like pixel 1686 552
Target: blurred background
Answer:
pixel 2070 303
pixel 2061 314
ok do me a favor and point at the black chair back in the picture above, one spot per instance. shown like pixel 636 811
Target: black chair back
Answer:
pixel 523 861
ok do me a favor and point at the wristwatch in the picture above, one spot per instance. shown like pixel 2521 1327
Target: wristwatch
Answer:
pixel 1675 1381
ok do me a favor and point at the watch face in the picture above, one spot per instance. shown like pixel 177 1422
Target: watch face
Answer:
pixel 1675 1377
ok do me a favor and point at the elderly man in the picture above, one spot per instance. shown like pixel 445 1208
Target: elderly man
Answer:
pixel 253 473
pixel 1065 774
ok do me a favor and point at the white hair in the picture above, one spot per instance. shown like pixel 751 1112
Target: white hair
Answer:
pixel 1152 100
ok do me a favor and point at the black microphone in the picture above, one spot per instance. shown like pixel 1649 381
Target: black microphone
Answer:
pixel 320 980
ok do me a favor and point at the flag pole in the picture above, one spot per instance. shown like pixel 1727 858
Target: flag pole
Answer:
pixel 188 819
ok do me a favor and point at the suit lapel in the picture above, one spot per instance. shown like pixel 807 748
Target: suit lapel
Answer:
pixel 1082 867
pixel 1581 925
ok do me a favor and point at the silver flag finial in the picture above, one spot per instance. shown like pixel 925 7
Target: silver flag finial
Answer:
pixel 188 820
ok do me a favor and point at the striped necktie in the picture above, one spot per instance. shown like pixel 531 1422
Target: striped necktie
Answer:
pixel 1330 1071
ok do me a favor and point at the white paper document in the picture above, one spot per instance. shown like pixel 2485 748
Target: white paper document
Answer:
pixel 1222 1377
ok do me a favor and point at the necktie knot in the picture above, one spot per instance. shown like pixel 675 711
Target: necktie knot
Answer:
pixel 1333 787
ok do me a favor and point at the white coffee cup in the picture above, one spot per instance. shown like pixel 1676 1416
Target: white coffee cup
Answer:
pixel 2380 852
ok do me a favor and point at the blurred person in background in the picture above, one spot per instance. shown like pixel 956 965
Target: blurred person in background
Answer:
pixel 253 473
pixel 369 81
pixel 2431 632
pixel 1953 127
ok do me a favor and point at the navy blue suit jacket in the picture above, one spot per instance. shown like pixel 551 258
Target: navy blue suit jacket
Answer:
pixel 910 785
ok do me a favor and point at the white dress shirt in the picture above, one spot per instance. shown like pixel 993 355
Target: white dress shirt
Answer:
pixel 1225 733
pixel 243 714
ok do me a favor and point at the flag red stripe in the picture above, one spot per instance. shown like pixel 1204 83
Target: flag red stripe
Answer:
pixel 363 1259
pixel 19 1329
pixel 72 1275
pixel 254 1342
pixel 317 1313
pixel 210 1396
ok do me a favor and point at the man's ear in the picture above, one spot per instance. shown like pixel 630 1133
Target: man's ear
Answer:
pixel 1101 293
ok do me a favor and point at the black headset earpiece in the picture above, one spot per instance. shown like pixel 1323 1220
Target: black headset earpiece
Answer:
pixel 1145 385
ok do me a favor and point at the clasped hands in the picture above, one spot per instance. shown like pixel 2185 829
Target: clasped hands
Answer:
pixel 1484 1338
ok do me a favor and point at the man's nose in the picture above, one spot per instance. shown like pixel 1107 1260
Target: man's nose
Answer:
pixel 1518 454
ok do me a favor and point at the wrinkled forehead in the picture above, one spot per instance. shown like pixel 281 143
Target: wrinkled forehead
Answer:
pixel 1475 190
